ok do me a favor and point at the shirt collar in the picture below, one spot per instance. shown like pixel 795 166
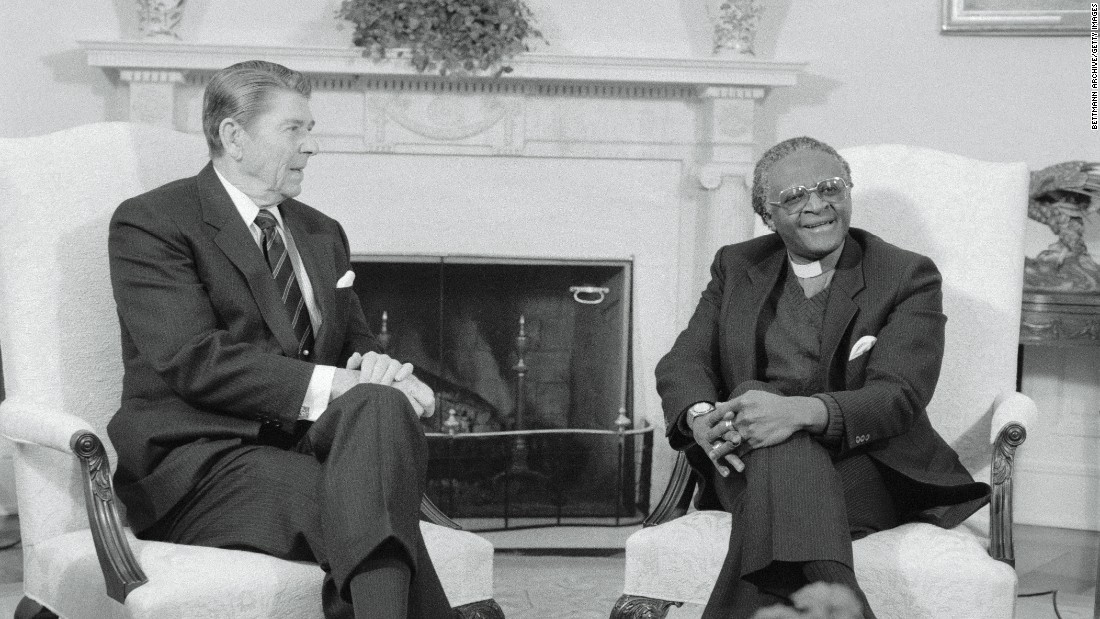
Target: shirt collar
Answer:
pixel 245 206
pixel 818 267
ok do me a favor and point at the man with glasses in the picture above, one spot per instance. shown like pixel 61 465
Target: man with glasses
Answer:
pixel 798 389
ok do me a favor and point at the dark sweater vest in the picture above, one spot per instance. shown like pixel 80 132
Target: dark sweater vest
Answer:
pixel 792 338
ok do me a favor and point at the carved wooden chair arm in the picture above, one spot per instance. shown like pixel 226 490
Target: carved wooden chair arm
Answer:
pixel 677 496
pixel 1012 413
pixel 1001 548
pixel 120 567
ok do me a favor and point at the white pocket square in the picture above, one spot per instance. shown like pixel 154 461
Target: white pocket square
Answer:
pixel 347 280
pixel 863 345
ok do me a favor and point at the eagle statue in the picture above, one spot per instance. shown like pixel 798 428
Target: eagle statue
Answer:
pixel 1063 196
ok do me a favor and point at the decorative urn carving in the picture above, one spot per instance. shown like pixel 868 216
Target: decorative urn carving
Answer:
pixel 158 19
pixel 735 26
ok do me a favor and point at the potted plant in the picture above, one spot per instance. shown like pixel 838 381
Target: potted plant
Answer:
pixel 451 36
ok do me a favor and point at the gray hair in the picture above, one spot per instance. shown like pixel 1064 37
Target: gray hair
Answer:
pixel 774 155
pixel 241 92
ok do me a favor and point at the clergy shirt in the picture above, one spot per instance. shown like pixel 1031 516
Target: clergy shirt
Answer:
pixel 816 276
pixel 320 383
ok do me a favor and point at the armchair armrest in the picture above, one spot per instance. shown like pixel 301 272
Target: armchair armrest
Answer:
pixel 24 422
pixel 1012 407
pixel 1012 413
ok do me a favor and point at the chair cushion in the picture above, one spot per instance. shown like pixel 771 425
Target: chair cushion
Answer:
pixel 192 581
pixel 914 571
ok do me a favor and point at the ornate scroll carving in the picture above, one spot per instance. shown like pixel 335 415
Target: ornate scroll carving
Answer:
pixel 1000 504
pixel 638 607
pixel 121 570
pixel 444 118
pixel 1059 329
pixel 159 19
pixel 1058 318
pixel 484 609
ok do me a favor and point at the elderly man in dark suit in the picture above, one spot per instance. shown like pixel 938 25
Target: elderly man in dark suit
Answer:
pixel 256 412
pixel 798 388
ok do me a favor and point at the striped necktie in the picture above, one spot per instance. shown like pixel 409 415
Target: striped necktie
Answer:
pixel 283 273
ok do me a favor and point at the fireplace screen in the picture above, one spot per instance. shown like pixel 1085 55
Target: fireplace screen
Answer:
pixel 531 368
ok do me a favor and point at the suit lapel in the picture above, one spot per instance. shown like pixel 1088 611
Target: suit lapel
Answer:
pixel 762 279
pixel 234 239
pixel 841 308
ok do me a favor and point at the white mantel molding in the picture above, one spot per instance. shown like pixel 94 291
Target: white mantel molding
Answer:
pixel 714 77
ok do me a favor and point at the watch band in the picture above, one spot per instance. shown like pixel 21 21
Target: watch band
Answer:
pixel 699 409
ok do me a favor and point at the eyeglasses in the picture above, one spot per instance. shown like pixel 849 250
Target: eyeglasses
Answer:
pixel 794 199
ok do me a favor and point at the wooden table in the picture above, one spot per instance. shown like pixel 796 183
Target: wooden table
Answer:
pixel 1061 319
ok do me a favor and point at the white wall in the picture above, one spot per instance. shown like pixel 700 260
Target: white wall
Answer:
pixel 877 72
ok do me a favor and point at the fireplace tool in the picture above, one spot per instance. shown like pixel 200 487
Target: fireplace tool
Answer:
pixel 520 468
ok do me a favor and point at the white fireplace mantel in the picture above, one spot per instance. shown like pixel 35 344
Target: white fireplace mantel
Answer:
pixel 641 159
pixel 153 57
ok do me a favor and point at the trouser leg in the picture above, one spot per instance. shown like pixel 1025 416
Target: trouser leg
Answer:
pixel 791 511
pixel 792 523
pixel 373 458
pixel 353 483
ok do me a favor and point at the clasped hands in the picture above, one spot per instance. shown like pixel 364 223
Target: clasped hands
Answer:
pixel 381 369
pixel 753 420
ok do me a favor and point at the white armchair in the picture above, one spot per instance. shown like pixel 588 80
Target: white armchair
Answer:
pixel 969 217
pixel 62 367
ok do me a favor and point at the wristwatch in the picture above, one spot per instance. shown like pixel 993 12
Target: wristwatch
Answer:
pixel 698 409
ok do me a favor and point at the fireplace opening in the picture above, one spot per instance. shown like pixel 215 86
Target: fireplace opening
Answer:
pixel 530 362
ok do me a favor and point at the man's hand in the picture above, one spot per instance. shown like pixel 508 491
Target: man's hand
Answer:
pixel 420 395
pixel 764 419
pixel 717 436
pixel 384 370
pixel 379 369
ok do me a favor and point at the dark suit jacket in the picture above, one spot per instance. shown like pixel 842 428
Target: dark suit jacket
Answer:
pixel 879 290
pixel 208 351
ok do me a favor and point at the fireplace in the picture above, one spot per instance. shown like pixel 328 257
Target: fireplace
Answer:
pixel 530 362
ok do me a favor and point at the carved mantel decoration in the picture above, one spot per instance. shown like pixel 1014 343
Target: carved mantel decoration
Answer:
pixel 160 18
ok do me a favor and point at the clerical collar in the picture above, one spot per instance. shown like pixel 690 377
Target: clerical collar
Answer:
pixel 817 267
